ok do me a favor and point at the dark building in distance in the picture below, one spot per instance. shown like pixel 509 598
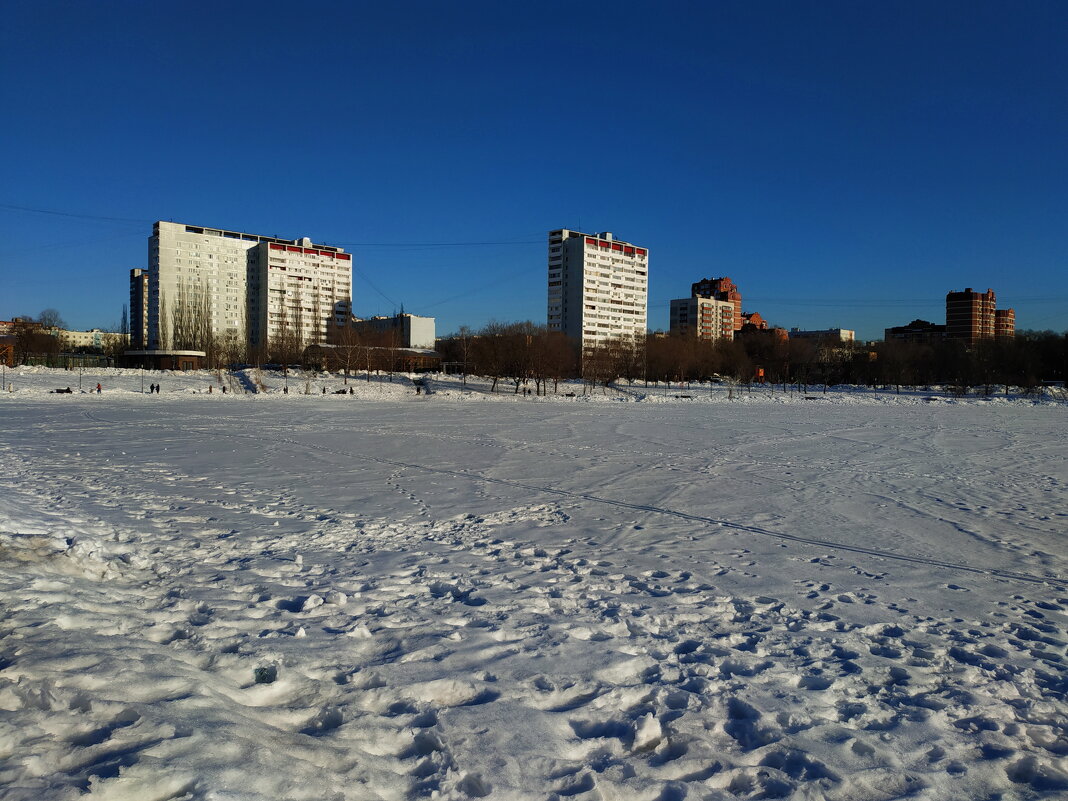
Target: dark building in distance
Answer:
pixel 916 331
pixel 1004 323
pixel 972 316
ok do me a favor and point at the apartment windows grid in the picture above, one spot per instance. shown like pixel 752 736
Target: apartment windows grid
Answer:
pixel 225 275
pixel 597 287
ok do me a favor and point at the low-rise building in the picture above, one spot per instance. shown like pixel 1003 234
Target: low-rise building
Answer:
pixel 829 335
pixel 401 330
pixel 916 331
pixel 93 339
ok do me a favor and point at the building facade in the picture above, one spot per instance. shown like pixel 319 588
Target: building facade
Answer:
pixel 1004 323
pixel 138 308
pixel 238 288
pixel 916 331
pixel 403 330
pixel 598 287
pixel 299 292
pixel 704 317
pixel 829 335
pixel 722 289
pixel 94 339
pixel 972 316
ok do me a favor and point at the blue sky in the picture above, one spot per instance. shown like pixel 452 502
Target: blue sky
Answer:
pixel 845 163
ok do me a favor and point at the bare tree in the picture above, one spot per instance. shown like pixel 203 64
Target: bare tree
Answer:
pixel 287 344
pixel 464 339
pixel 34 339
pixel 561 357
pixel 491 352
pixel 600 364
pixel 50 318
pixel 347 348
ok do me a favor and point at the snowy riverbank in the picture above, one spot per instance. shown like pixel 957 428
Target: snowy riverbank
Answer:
pixel 392 596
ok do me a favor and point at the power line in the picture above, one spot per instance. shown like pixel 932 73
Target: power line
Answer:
pixel 12 207
pixel 144 221
pixel 476 290
pixel 367 281
pixel 437 244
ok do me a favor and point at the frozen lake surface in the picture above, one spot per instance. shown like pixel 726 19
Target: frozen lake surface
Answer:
pixel 391 596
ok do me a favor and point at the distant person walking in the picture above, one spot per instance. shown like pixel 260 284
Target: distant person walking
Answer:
pixel 98 389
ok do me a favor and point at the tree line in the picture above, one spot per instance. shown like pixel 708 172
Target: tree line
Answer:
pixel 515 355
pixel 522 356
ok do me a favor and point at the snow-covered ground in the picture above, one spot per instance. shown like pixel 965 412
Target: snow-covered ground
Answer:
pixel 630 596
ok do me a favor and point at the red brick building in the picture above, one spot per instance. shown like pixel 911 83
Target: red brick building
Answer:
pixel 1004 323
pixel 972 316
pixel 720 289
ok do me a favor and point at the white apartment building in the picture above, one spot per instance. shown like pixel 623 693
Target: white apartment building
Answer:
pixel 598 287
pixel 239 287
pixel 706 318
pixel 94 339
pixel 300 290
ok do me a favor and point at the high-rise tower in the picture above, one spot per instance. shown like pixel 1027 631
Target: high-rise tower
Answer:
pixel 598 287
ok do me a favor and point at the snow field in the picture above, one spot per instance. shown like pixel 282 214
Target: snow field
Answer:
pixel 317 597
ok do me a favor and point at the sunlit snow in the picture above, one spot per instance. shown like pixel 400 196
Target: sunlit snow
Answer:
pixel 633 595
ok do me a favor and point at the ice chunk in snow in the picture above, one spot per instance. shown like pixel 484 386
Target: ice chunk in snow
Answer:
pixel 647 732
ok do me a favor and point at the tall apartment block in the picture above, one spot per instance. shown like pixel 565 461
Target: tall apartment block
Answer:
pixel 971 316
pixel 300 289
pixel 244 288
pixel 712 312
pixel 598 287
pixel 722 289
pixel 705 318
pixel 138 308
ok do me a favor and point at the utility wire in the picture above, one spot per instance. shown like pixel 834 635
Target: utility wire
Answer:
pixel 476 290
pixel 367 281
pixel 13 207
pixel 436 244
pixel 511 242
